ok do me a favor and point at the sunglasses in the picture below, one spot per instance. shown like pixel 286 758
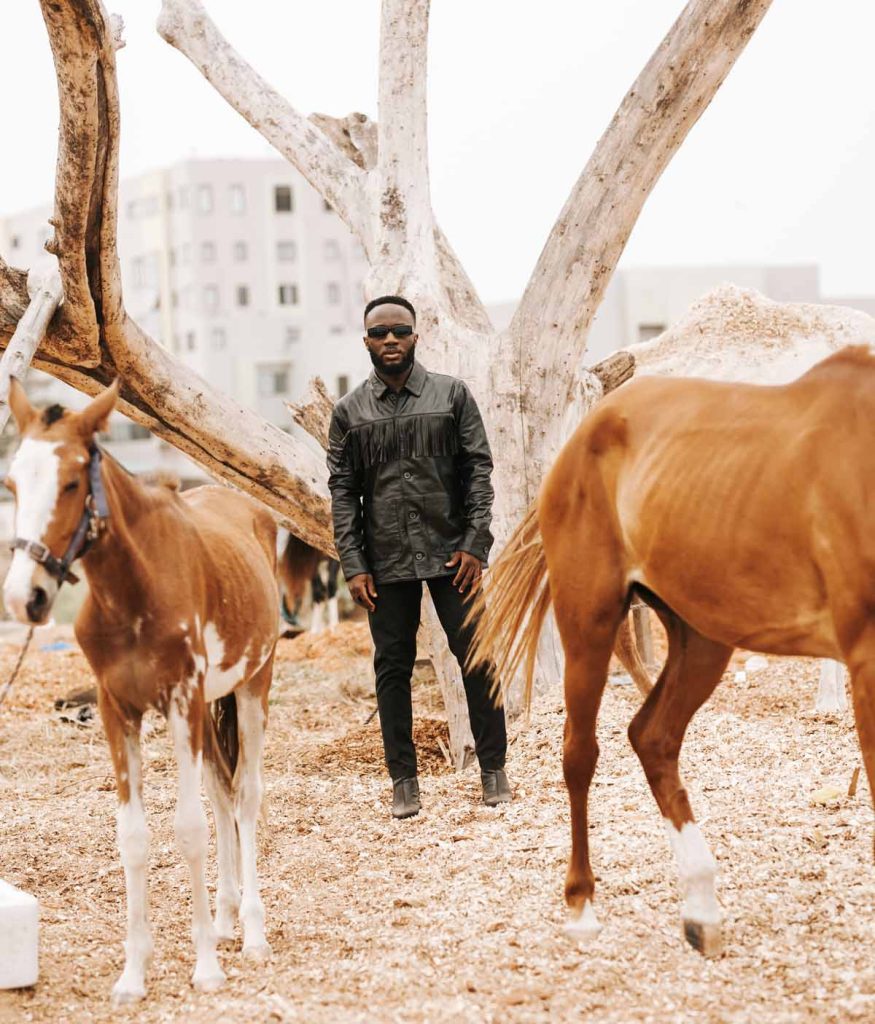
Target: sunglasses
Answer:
pixel 399 330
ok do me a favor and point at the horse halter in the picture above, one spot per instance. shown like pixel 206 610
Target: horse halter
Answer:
pixel 91 525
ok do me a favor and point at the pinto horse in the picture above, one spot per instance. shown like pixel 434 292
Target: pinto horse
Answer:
pixel 742 515
pixel 302 567
pixel 181 617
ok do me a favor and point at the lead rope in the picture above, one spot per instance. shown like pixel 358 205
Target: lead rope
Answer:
pixel 7 686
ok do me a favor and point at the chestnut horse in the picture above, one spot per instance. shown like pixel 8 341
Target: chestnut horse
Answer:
pixel 743 515
pixel 181 617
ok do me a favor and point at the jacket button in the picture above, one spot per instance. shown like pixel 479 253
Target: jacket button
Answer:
pixel 413 515
pixel 419 556
pixel 408 475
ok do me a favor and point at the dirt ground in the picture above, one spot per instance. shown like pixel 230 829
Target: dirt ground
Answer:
pixel 455 915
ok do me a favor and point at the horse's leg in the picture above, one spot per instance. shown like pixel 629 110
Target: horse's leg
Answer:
pixel 185 722
pixel 692 670
pixel 333 613
pixel 123 735
pixel 251 723
pixel 587 617
pixel 831 699
pixel 861 663
pixel 627 651
pixel 228 882
pixel 317 618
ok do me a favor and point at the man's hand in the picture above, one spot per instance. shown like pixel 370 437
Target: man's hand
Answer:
pixel 468 575
pixel 363 591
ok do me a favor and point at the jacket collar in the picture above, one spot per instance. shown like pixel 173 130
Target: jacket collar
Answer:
pixel 415 382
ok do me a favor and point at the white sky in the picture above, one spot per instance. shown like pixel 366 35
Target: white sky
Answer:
pixel 780 168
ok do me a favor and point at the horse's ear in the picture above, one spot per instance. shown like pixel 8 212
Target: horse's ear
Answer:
pixel 22 411
pixel 95 416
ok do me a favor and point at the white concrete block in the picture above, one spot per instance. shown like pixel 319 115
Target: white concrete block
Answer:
pixel 19 924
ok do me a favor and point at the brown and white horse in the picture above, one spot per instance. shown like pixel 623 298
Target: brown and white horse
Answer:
pixel 743 515
pixel 304 570
pixel 181 617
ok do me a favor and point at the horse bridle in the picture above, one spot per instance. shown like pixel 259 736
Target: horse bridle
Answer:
pixel 91 525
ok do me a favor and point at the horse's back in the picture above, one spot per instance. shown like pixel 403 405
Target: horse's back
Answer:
pixel 229 517
pixel 688 479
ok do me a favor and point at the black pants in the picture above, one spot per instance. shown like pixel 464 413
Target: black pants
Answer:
pixel 393 627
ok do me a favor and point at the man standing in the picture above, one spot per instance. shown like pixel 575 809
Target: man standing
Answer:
pixel 411 499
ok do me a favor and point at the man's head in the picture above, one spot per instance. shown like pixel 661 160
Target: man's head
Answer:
pixel 391 353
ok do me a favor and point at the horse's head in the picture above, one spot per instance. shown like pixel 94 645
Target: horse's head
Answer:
pixel 49 478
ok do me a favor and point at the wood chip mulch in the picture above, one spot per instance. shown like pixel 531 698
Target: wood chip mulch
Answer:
pixel 456 915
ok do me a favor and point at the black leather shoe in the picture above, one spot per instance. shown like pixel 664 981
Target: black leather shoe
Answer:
pixel 496 788
pixel 405 797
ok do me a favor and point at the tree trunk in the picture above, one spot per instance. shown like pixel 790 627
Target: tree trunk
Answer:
pixel 527 379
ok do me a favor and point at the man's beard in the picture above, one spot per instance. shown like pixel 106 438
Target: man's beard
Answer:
pixel 394 369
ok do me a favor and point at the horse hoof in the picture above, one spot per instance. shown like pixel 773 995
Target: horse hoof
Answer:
pixel 259 953
pixel 707 939
pixel 209 982
pixel 124 996
pixel 583 927
pixel 225 931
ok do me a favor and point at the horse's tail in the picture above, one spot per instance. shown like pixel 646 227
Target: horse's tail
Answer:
pixel 221 741
pixel 511 608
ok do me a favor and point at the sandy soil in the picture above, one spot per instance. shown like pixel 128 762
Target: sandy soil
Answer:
pixel 456 915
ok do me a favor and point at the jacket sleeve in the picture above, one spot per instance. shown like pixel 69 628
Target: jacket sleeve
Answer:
pixel 475 471
pixel 346 501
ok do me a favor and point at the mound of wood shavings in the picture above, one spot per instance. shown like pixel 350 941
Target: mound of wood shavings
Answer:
pixel 456 915
pixel 737 334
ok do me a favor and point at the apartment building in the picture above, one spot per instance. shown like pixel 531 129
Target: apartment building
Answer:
pixel 242 270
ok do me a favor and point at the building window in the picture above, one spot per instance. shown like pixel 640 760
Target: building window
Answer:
pixel 332 250
pixel 238 199
pixel 15 241
pixel 288 294
pixel 273 379
pixel 131 210
pixel 293 334
pixel 184 197
pixel 211 298
pixel 205 198
pixel 208 252
pixel 174 300
pixel 332 293
pixel 218 339
pixel 287 252
pixel 172 257
pixel 342 385
pixel 139 268
pixel 648 331
pixel 242 295
pixel 186 253
pixel 189 341
pixel 283 201
pixel 335 329
pixel 241 252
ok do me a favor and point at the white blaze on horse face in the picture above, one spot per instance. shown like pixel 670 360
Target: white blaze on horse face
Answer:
pixel 219 681
pixel 697 871
pixel 34 471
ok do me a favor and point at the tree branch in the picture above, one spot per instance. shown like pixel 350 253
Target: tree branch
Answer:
pixel 44 289
pixel 654 118
pixel 187 27
pixel 158 391
pixel 74 34
pixel 313 412
pixel 399 185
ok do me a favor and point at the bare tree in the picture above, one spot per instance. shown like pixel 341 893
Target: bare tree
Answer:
pixel 529 379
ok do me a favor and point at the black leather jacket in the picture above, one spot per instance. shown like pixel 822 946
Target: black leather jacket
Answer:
pixel 409 475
